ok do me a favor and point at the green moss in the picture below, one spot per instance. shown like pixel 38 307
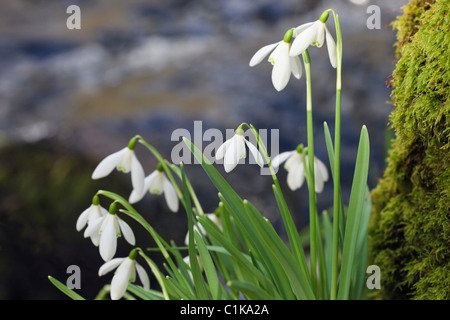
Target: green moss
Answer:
pixel 410 226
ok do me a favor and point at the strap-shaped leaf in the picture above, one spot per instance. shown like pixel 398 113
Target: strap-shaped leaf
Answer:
pixel 354 214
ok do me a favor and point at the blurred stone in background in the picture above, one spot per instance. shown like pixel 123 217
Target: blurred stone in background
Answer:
pixel 70 97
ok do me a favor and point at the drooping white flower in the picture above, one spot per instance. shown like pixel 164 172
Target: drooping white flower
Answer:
pixel 283 64
pixel 233 150
pixel 89 215
pixel 313 34
pixel 124 160
pixel 158 183
pixel 296 170
pixel 109 228
pixel 213 217
pixel 126 273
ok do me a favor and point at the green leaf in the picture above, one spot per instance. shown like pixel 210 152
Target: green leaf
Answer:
pixel 362 249
pixel 275 246
pixel 158 275
pixel 199 282
pixel 145 294
pixel 292 232
pixel 64 289
pixel 249 290
pixel 330 150
pixel 240 259
pixel 355 211
pixel 208 266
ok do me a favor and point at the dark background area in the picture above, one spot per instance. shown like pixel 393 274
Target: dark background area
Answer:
pixel 68 98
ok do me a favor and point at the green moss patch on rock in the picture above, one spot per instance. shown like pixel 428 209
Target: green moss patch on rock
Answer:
pixel 410 226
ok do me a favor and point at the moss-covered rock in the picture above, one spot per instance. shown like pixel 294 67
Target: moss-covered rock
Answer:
pixel 410 226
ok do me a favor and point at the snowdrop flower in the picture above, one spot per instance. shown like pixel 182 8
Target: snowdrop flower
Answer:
pixel 296 169
pixel 313 34
pixel 89 215
pixel 124 160
pixel 109 228
pixel 126 273
pixel 213 217
pixel 158 183
pixel 233 150
pixel 283 64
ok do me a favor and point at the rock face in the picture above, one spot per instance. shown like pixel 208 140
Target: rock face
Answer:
pixel 410 227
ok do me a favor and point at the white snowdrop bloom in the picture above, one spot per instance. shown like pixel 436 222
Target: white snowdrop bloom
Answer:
pixel 109 228
pixel 233 150
pixel 89 215
pixel 213 217
pixel 283 64
pixel 158 183
pixel 124 160
pixel 313 34
pixel 296 170
pixel 126 273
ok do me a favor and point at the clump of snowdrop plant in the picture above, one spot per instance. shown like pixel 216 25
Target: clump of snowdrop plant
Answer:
pixel 235 252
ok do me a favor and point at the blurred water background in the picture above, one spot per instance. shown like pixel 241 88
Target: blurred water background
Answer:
pixel 68 98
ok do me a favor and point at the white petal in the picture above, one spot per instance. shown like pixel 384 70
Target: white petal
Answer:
pixel 109 266
pixel 125 162
pixel 320 34
pixel 304 39
pixel 255 153
pixel 262 53
pixel 137 175
pixel 93 227
pixel 107 165
pixel 156 183
pixel 331 46
pixel 143 276
pixel 220 153
pixel 302 28
pixel 83 218
pixel 296 67
pixel 127 232
pixel 280 158
pixel 97 212
pixel 320 175
pixel 322 168
pixel 232 155
pixel 135 197
pixel 108 240
pixel 95 238
pixel 121 279
pixel 214 218
pixel 296 176
pixel 295 159
pixel 171 195
pixel 281 71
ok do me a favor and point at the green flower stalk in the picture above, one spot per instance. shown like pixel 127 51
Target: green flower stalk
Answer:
pixel 337 161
